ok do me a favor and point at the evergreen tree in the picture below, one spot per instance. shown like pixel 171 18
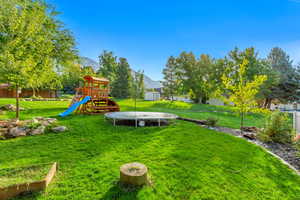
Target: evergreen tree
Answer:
pixel 171 79
pixel 108 65
pixel 121 86
pixel 141 85
pixel 137 85
pixel 196 75
pixel 288 87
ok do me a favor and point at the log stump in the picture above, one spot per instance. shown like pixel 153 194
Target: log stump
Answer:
pixel 134 174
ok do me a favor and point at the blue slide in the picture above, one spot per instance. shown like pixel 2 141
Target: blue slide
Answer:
pixel 75 106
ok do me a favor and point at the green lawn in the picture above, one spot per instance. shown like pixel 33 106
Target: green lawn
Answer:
pixel 185 160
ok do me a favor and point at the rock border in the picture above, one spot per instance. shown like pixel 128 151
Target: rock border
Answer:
pixel 17 189
pixel 36 126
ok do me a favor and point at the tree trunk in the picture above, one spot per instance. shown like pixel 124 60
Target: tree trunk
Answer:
pixel 17 103
pixel 33 92
pixel 242 122
pixel 204 100
pixel 267 103
pixel 134 174
pixel 196 100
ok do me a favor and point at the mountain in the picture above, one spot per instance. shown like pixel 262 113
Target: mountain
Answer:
pixel 85 61
pixel 148 82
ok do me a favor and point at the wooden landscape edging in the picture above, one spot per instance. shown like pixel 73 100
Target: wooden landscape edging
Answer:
pixel 202 122
pixel 14 190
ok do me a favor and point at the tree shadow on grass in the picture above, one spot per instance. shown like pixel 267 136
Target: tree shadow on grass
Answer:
pixel 120 191
pixel 28 196
pixel 43 111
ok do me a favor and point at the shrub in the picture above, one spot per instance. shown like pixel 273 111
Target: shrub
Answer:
pixel 211 121
pixel 33 125
pixel 277 129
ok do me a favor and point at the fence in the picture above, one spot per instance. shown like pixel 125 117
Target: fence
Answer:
pixel 296 121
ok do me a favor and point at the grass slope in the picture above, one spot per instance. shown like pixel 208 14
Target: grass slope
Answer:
pixel 185 160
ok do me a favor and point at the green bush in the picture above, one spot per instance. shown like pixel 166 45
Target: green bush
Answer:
pixel 278 128
pixel 211 121
pixel 33 125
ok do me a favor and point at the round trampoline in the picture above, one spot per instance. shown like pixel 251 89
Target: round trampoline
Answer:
pixel 140 118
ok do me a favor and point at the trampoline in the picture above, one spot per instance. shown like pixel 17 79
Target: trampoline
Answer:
pixel 140 118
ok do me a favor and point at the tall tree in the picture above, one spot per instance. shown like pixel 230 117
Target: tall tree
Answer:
pixel 171 80
pixel 241 91
pixel 108 65
pixel 121 86
pixel 87 70
pixel 187 63
pixel 71 77
pixel 28 48
pixel 288 87
pixel 137 85
pixel 140 84
pixel 256 66
pixel 196 75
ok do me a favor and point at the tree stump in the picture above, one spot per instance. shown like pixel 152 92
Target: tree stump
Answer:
pixel 134 174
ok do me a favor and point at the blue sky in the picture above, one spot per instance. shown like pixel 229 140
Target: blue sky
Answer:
pixel 148 32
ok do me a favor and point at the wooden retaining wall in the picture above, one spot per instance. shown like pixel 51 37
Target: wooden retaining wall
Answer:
pixel 10 93
pixel 14 190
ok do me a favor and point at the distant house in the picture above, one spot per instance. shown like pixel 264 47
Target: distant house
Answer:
pixel 7 92
pixel 152 96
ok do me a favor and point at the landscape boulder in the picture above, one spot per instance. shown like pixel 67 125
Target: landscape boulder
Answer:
pixel 44 121
pixel 51 120
pixel 10 107
pixel 16 132
pixel 39 130
pixel 252 129
pixel 249 135
pixel 3 131
pixel 59 129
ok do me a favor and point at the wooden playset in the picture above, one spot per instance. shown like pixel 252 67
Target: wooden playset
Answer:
pixel 97 91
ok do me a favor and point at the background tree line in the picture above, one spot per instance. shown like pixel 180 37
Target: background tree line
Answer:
pixel 37 51
pixel 201 77
pixel 34 45
pixel 124 82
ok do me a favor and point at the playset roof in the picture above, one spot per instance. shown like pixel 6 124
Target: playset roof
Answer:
pixel 96 79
